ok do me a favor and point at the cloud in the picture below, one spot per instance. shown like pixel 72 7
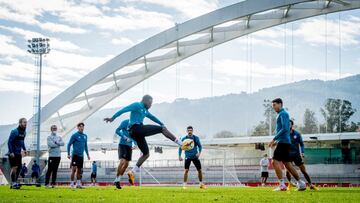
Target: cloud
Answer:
pixel 56 27
pixel 54 42
pixel 8 47
pixel 124 19
pixel 313 31
pixel 122 41
pixel 189 9
pixel 27 12
pixel 80 14
pixel 244 69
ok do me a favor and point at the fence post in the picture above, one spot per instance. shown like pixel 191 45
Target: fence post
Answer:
pixel 140 177
pixel 224 158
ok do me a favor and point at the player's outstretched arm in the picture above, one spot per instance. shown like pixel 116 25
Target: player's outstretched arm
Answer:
pixel 179 152
pixel 131 107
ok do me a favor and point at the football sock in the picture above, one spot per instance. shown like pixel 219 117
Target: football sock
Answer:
pixel 13 177
pixel 117 179
pixel 78 182
pixel 307 177
pixel 135 169
pixel 71 183
pixel 282 182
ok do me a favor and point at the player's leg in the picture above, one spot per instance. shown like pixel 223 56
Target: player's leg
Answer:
pixel 186 171
pixel 288 177
pixel 49 171
pixel 72 177
pixel 300 184
pixel 79 168
pixel 276 161
pixel 78 176
pixel 266 177
pixel 307 177
pixel 197 164
pixel 144 148
pixel 124 167
pixel 56 162
pixel 13 177
pixel 149 130
pixel 18 164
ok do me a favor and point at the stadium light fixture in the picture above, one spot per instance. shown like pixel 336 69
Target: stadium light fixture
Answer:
pixel 39 47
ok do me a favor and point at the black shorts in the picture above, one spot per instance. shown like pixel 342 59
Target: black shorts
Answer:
pixel 125 152
pixel 196 162
pixel 34 175
pixel 296 158
pixel 282 152
pixel 16 160
pixel 93 175
pixel 77 161
pixel 138 132
pixel 264 174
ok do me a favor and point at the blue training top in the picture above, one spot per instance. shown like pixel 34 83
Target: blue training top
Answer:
pixel 79 144
pixel 197 145
pixel 297 143
pixel 16 141
pixel 123 133
pixel 137 114
pixel 93 168
pixel 282 127
pixel 35 168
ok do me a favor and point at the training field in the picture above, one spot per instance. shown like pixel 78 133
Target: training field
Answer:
pixel 176 194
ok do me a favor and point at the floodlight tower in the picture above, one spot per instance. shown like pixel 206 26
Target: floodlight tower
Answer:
pixel 38 47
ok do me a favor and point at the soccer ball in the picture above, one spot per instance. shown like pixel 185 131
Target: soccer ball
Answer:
pixel 188 144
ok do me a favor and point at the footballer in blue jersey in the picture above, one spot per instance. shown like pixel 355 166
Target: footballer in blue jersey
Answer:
pixel 297 155
pixel 139 131
pixel 192 155
pixel 281 143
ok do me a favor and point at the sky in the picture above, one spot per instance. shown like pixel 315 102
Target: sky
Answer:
pixel 85 34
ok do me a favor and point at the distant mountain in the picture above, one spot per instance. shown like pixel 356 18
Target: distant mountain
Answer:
pixel 241 112
pixel 237 113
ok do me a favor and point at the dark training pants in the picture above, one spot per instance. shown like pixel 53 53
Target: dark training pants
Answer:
pixel 139 132
pixel 53 165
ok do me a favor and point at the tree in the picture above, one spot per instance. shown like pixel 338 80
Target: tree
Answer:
pixel 270 116
pixel 264 127
pixel 224 134
pixel 337 113
pixel 310 123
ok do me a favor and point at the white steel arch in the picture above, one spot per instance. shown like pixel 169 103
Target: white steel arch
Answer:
pixel 160 51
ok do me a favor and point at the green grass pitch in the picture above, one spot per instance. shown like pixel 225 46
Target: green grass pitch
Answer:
pixel 176 194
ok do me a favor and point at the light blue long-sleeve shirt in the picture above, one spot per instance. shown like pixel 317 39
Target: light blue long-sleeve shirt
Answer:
pixel 54 142
pixel 197 147
pixel 282 127
pixel 137 114
pixel 78 141
pixel 123 133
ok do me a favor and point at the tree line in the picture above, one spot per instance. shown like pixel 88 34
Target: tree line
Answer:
pixel 336 114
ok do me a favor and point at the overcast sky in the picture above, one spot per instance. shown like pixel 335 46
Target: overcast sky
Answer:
pixel 85 34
